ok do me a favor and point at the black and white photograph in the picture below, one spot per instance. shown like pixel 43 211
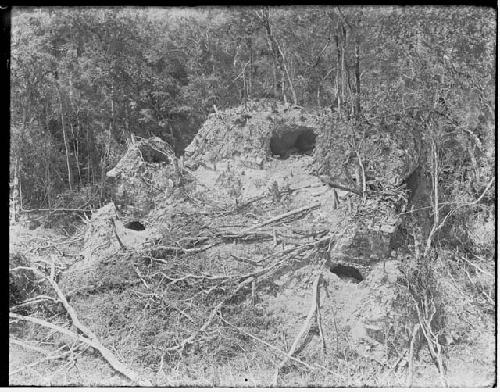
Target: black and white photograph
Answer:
pixel 252 196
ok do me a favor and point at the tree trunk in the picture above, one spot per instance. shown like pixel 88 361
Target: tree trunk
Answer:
pixel 75 147
pixel 245 92
pixel 275 82
pixel 250 73
pixel 278 69
pixel 435 194
pixel 292 88
pixel 339 76
pixel 48 187
pixel 127 123
pixel 14 205
pixel 112 128
pixel 342 64
pixel 24 117
pixel 75 136
pixel 357 106
pixel 79 127
pixel 46 116
pixel 66 148
pixel 88 158
pixel 283 90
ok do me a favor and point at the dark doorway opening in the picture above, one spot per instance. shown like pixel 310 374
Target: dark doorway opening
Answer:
pixel 135 225
pixel 347 272
pixel 293 140
pixel 152 155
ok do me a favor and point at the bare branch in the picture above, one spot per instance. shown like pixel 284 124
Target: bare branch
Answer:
pixel 106 353
pixel 314 309
pixel 280 217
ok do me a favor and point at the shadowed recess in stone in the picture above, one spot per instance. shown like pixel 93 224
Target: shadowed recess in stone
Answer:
pixel 285 142
pixel 346 271
pixel 135 225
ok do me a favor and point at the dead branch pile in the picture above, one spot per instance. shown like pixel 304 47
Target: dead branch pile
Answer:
pixel 267 269
pixel 248 234
pixel 194 303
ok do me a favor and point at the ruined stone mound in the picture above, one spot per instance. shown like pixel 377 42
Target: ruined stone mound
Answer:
pixel 105 253
pixel 260 129
pixel 147 172
pixel 140 153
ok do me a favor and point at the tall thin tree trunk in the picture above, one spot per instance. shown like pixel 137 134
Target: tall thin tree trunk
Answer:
pixel 112 109
pixel 250 73
pixel 245 92
pixel 14 205
pixel 48 187
pixel 292 88
pixel 88 158
pixel 435 181
pixel 277 68
pixel 283 90
pixel 127 124
pixel 75 136
pixel 20 191
pixel 342 65
pixel 79 127
pixel 339 76
pixel 276 83
pixel 46 116
pixel 435 198
pixel 66 148
pixel 357 106
pixel 75 147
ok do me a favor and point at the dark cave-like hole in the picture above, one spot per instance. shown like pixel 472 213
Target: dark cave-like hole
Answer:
pixel 135 225
pixel 151 155
pixel 288 141
pixel 347 272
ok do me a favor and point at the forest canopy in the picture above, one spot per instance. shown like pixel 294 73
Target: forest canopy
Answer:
pixel 84 79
